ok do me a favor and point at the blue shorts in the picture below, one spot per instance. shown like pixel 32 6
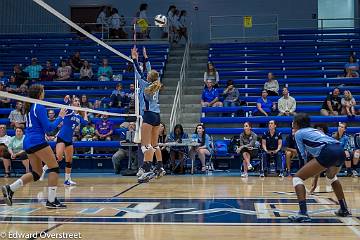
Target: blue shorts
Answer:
pixel 36 148
pixel 151 118
pixel 332 155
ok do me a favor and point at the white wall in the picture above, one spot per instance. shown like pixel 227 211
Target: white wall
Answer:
pixel 336 9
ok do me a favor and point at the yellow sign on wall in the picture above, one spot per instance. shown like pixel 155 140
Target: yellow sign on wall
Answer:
pixel 248 21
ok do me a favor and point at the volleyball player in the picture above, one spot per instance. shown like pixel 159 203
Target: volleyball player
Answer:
pixel 327 154
pixel 150 111
pixel 38 150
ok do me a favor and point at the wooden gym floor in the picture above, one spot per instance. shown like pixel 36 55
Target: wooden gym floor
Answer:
pixel 179 207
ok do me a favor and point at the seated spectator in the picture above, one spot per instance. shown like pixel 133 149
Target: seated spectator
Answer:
pixel 264 107
pixel 88 132
pixel 271 143
pixel 272 85
pixel 23 90
pixel 76 62
pixel 203 149
pixel 105 72
pixel 34 69
pixel 118 97
pixel 4 144
pixel 348 104
pixel 163 139
pixel 231 95
pixel 290 152
pixel 343 138
pixel 86 72
pixel 64 71
pixel 11 86
pixel 97 106
pixel 332 104
pixel 104 129
pixel 210 96
pixel 352 67
pixel 131 98
pixel 177 153
pixel 84 102
pixel 247 148
pixel 121 155
pixel 17 116
pixel 48 73
pixel 4 102
pixel 51 136
pixel 211 74
pixel 20 76
pixel 286 104
pixel 3 80
pixel 17 151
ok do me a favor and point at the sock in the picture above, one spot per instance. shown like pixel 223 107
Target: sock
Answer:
pixel 67 176
pixel 343 204
pixel 16 185
pixel 303 207
pixel 146 166
pixel 51 194
pixel 159 164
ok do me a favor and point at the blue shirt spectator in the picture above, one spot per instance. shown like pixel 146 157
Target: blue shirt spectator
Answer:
pixel 210 96
pixel 263 105
pixel 34 69
pixel 105 72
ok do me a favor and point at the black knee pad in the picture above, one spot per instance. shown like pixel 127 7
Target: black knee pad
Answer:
pixel 55 170
pixel 68 165
pixel 36 176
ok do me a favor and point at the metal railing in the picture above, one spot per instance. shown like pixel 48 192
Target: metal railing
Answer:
pixel 176 110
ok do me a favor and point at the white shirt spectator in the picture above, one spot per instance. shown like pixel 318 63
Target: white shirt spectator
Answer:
pixel 5 140
pixel 114 21
pixel 101 19
pixel 286 104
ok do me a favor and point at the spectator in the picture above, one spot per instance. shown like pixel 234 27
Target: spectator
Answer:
pixel 4 143
pixel 51 136
pixel 332 104
pixel 163 139
pixel 210 96
pixel 84 102
pixel 4 102
pixel 264 107
pixel 122 154
pixel 131 98
pixel 352 67
pixel 64 71
pixel 183 25
pixel 34 69
pixel 272 85
pixel 204 149
pixel 171 24
pixel 12 86
pixel 97 106
pixel 48 73
pixel 20 76
pixel 143 21
pixel 290 152
pixel 177 153
pixel 104 129
pixel 3 80
pixel 17 151
pixel 343 138
pixel 105 71
pixel 17 117
pixel 231 95
pixel 114 23
pixel 23 90
pixel 322 127
pixel 86 72
pixel 211 74
pixel 246 148
pixel 76 62
pixel 348 104
pixel 88 132
pixel 286 104
pixel 101 19
pixel 271 143
pixel 118 97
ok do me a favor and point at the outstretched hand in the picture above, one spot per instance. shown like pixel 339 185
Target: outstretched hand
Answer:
pixel 145 53
pixel 134 53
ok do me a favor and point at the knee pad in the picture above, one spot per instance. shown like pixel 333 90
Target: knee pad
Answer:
pixel 36 176
pixel 297 181
pixel 68 164
pixel 55 170
pixel 146 148
pixel 330 181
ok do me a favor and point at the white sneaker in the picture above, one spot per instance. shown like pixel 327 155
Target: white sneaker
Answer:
pixel 146 177
pixel 244 175
pixel 69 182
pixel 140 172
pixel 250 167
pixel 354 173
pixel 45 168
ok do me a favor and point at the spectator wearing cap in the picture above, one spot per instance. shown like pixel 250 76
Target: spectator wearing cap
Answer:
pixel 34 69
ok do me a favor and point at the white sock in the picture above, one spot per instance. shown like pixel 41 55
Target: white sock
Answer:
pixel 51 194
pixel 16 185
pixel 67 176
pixel 45 168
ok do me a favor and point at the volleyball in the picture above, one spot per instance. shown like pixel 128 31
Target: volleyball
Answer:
pixel 160 20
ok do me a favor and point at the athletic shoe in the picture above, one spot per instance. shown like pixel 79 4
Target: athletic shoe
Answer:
pixel 299 218
pixel 159 172
pixel 146 177
pixel 287 173
pixel 244 175
pixel 45 168
pixel 8 194
pixel 354 173
pixel 140 172
pixel 250 167
pixel 69 182
pixel 262 174
pixel 55 204
pixel 343 213
pixel 281 174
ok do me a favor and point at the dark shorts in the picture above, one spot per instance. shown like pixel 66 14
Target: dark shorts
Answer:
pixel 253 153
pixel 151 118
pixel 36 148
pixel 332 155
pixel 22 157
pixel 60 140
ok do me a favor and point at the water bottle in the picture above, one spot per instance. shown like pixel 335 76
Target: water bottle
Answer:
pixel 250 113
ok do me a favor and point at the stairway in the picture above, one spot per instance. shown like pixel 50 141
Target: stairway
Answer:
pixel 192 87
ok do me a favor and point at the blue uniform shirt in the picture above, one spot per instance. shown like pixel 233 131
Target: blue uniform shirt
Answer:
pixel 71 121
pixel 209 95
pixel 37 124
pixel 311 141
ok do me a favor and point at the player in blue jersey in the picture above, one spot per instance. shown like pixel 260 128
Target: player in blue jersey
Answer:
pixel 325 153
pixel 64 140
pixel 38 150
pixel 150 111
